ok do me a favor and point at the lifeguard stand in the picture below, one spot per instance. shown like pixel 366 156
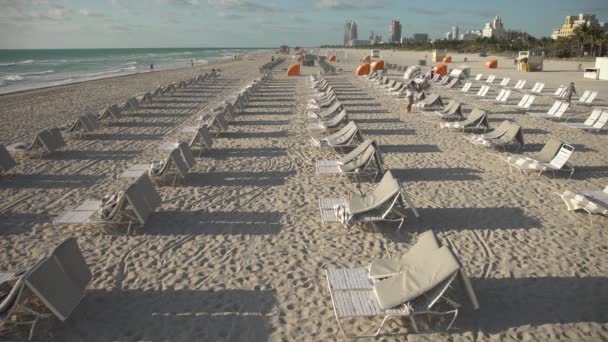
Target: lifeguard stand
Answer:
pixel 530 61
pixel 438 55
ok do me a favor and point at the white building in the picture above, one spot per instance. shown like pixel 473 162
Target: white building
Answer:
pixel 494 29
pixel 471 35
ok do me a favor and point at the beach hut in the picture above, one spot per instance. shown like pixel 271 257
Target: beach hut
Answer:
pixel 441 69
pixel 332 58
pixel 367 59
pixel 294 70
pixel 447 59
pixel 438 55
pixel 491 64
pixel 363 70
pixel 377 65
pixel 530 61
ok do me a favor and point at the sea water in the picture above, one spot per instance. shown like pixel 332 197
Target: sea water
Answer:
pixel 30 69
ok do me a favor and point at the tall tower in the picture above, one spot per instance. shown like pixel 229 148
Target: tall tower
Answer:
pixel 394 31
pixel 347 32
pixel 353 30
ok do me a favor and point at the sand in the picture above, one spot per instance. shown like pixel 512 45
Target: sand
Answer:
pixel 237 251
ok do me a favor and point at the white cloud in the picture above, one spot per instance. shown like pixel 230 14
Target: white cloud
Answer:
pixel 350 4
pixel 244 6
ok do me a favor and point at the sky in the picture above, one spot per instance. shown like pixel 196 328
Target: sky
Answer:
pixel 260 23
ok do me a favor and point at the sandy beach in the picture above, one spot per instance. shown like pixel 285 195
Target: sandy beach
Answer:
pixel 238 252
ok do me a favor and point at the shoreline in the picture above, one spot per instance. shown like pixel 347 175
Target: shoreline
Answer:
pixel 209 63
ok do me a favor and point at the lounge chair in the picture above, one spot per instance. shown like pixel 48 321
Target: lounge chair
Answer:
pixel 477 119
pixel 130 104
pixel 542 162
pixel 324 103
pixel 216 123
pixel 436 78
pixel 86 123
pixel 506 134
pixel 587 98
pixel 451 112
pixel 520 85
pixel 502 97
pixel 177 164
pixel 591 201
pixel 201 139
pixel 6 161
pixel 349 135
pixel 330 124
pixel 555 112
pixel 387 202
pixel 327 113
pixel 478 77
pixel 113 111
pixel 491 79
pixel 430 103
pixel 145 98
pixel 133 205
pixel 482 92
pixel 595 122
pixel 467 86
pixel 46 141
pixel 537 88
pixel 526 102
pixel 58 281
pixel 560 91
pixel 364 160
pixel 505 82
pixel 453 83
pixel 423 288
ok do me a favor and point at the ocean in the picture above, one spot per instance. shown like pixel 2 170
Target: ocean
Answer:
pixel 30 69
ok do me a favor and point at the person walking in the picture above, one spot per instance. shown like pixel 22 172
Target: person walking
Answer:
pixel 570 90
pixel 192 61
pixel 151 67
pixel 410 90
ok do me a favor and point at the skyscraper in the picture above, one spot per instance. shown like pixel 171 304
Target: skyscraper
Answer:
pixel 394 31
pixel 350 32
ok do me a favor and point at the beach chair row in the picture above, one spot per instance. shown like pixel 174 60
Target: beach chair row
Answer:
pixel 402 286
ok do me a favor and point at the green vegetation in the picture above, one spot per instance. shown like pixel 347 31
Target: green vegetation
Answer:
pixel 587 41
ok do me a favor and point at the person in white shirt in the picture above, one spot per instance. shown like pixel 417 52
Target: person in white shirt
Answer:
pixel 410 90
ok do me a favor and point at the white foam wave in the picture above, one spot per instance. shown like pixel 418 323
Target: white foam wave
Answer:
pixel 13 78
pixel 38 73
pixel 130 68
pixel 104 73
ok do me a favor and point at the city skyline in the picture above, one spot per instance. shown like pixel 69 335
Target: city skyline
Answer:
pixel 256 23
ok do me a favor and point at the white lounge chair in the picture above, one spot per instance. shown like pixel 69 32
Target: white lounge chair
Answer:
pixel 558 163
pixel 555 112
pixel 595 122
pixel 349 135
pixel 590 201
pixel 6 160
pixel 364 160
pixel 46 141
pixel 112 111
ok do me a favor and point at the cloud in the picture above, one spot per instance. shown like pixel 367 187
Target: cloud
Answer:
pixel 350 4
pixel 91 14
pixel 184 3
pixel 244 6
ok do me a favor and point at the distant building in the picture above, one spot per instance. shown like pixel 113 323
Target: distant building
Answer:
pixel 350 32
pixel 494 29
pixel 516 34
pixel 555 34
pixel 455 35
pixel 604 26
pixel 374 38
pixel 421 37
pixel 394 31
pixel 284 49
pixel 572 22
pixel 471 35
pixel 358 43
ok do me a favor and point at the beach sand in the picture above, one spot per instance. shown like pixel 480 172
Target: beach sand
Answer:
pixel 237 251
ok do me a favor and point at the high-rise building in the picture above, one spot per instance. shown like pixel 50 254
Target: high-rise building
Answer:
pixel 394 31
pixel 455 33
pixel 572 22
pixel 421 37
pixel 470 35
pixel 374 38
pixel 494 29
pixel 350 32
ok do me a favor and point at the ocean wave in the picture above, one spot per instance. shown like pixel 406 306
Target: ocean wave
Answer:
pixel 104 73
pixel 13 78
pixel 130 68
pixel 131 63
pixel 38 73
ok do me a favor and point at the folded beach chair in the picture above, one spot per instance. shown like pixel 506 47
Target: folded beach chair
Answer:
pixel 177 164
pixel 557 111
pixel 436 78
pixel 331 124
pixel 430 103
pixel 478 77
pixel 130 104
pixel 445 80
pixel 591 201
pixel 423 288
pixel 6 161
pixel 396 87
pixel 201 139
pixel 57 281
pixel 364 160
pixel 482 92
pixel 133 205
pixel 112 111
pixel 537 88
pixel 505 135
pixel 333 110
pixel 553 157
pixel 505 82
pixel 526 102
pixel 502 97
pixel 451 112
pixel 349 135
pixel 387 202
pixel 316 106
pixel 595 122
pixel 467 86
pixel 491 79
pixel 216 123
pixel 46 141
pixel 560 91
pixel 587 98
pixel 477 119
pixel 86 123
pixel 453 82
